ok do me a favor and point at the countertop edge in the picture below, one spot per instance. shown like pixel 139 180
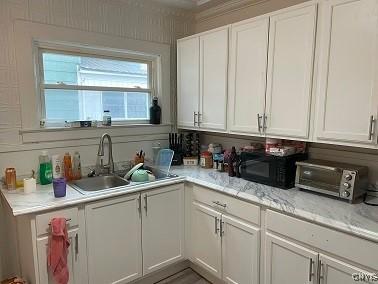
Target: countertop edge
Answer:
pixel 302 214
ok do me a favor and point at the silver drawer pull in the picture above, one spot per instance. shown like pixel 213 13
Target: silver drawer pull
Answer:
pixel 224 205
pixel 67 221
pixel 371 129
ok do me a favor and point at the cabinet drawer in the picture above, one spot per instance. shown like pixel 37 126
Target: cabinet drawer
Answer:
pixel 227 204
pixel 352 248
pixel 43 220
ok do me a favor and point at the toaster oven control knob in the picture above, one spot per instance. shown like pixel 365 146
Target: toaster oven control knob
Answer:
pixel 346 193
pixel 346 184
pixel 348 177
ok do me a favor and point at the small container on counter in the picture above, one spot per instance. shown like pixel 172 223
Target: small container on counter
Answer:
pixel 57 166
pixel 10 178
pixel 30 185
pixel 76 167
pixel 60 187
pixel 107 118
pixel 206 160
pixel 45 169
pixel 67 166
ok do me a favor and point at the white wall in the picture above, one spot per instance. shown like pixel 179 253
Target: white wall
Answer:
pixel 134 19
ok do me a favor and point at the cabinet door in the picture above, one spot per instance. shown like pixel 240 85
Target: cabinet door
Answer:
pixel 73 259
pixel 287 262
pixel 347 98
pixel 187 82
pixel 206 240
pixel 163 227
pixel 248 64
pixel 290 70
pixel 213 79
pixel 334 271
pixel 114 240
pixel 240 251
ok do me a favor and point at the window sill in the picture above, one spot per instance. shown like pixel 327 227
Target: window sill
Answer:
pixel 51 134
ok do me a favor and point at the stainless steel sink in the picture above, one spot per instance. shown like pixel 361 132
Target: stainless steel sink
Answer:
pixel 97 183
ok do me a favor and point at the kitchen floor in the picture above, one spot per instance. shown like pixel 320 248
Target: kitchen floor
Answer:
pixel 187 276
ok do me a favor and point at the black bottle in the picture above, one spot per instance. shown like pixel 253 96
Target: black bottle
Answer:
pixel 155 112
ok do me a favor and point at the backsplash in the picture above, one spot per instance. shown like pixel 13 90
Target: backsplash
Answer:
pixel 359 156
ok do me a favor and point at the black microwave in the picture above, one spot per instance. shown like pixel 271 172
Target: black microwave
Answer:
pixel 270 170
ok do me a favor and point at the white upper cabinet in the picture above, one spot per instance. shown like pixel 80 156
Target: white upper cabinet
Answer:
pixel 247 80
pixel 290 71
pixel 347 91
pixel 213 79
pixel 187 82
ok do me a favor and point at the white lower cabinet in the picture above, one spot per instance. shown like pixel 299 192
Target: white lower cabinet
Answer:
pixel 287 262
pixel 163 227
pixel 206 243
pixel 73 258
pixel 240 251
pixel 114 240
pixel 225 246
pixel 334 271
pixel 131 236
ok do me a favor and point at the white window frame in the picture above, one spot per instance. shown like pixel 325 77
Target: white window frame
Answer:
pixel 152 62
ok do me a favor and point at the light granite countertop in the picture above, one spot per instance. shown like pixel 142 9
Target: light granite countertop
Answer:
pixel 358 219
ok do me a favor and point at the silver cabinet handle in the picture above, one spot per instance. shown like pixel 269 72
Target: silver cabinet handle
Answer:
pixel 140 206
pixel 194 118
pixel 259 122
pixel 216 226
pixel 224 205
pixel 265 118
pixel 221 228
pixel 310 273
pixel 145 203
pixel 199 119
pixel 371 127
pixel 77 244
pixel 320 275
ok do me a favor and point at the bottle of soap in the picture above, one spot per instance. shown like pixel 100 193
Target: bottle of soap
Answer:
pixel 67 162
pixel 45 168
pixel 76 167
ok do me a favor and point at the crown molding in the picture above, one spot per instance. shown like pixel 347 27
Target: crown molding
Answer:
pixel 226 8
pixel 160 8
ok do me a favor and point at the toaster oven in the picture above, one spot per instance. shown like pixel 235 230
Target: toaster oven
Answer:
pixel 336 179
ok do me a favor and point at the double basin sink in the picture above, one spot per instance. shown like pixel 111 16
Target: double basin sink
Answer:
pixel 108 182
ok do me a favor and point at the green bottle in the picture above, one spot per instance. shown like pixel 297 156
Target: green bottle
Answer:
pixel 45 168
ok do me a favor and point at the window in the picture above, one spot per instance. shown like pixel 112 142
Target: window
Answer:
pixel 81 87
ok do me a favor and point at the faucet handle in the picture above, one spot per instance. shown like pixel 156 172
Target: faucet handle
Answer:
pixel 92 173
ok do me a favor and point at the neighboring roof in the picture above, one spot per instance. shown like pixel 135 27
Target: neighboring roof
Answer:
pixel 114 66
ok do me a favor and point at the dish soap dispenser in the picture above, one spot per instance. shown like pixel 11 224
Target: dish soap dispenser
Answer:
pixel 155 112
pixel 45 168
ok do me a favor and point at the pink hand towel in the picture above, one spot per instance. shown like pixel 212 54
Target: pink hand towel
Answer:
pixel 58 251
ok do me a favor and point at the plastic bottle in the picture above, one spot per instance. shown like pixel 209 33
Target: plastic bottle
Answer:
pixel 57 166
pixel 67 166
pixel 155 112
pixel 107 118
pixel 76 168
pixel 45 168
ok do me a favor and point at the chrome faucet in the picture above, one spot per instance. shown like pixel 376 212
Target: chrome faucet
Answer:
pixel 100 154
